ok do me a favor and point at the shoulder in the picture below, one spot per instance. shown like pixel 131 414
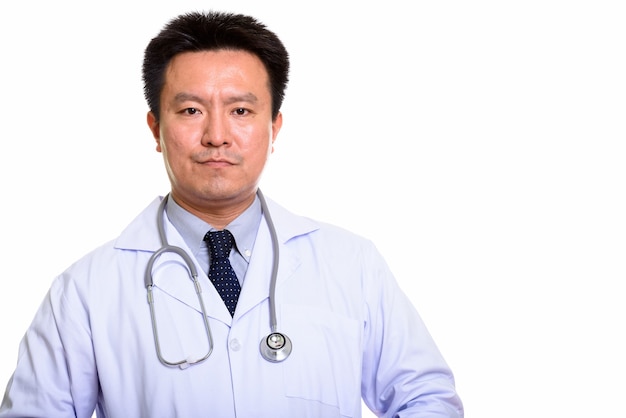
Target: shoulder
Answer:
pixel 307 234
pixel 104 266
pixel 290 226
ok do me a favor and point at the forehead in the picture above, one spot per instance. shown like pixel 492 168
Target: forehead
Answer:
pixel 217 67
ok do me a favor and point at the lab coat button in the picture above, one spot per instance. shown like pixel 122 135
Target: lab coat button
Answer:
pixel 234 344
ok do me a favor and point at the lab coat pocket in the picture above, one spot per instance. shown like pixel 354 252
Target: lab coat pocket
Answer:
pixel 324 365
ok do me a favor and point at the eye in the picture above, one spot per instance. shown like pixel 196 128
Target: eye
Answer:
pixel 240 111
pixel 191 111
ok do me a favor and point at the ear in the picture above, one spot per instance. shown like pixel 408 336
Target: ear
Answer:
pixel 277 123
pixel 155 128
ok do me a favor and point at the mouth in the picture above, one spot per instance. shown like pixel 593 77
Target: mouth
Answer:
pixel 216 162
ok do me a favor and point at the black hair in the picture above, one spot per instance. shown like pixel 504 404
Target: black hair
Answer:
pixel 203 31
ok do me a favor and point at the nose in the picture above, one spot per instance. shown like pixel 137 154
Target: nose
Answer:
pixel 215 132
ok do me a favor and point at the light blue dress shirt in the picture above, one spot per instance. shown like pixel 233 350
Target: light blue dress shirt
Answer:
pixel 244 229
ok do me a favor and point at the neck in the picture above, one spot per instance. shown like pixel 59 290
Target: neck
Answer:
pixel 217 213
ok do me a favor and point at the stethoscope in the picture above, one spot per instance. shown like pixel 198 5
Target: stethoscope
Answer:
pixel 274 348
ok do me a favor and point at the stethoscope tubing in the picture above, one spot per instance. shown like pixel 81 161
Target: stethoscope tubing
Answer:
pixel 274 348
pixel 275 261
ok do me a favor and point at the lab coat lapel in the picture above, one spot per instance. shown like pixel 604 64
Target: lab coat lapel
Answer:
pixel 258 277
pixel 171 275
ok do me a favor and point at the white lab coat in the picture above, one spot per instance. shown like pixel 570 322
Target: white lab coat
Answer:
pixel 91 344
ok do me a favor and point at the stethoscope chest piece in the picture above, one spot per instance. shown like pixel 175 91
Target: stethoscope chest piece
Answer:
pixel 276 347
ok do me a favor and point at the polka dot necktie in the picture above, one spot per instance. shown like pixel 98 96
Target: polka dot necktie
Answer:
pixel 221 272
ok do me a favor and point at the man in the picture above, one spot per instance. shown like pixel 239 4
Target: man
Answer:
pixel 123 330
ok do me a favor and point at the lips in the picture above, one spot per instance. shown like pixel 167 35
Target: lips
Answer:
pixel 215 160
pixel 217 163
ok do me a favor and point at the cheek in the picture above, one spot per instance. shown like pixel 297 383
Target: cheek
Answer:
pixel 174 141
pixel 172 150
pixel 262 149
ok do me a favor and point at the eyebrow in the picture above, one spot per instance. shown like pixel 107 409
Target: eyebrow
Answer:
pixel 245 97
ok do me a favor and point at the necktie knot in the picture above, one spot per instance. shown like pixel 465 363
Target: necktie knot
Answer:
pixel 220 243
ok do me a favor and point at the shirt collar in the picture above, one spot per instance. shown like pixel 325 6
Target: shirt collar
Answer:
pixel 193 229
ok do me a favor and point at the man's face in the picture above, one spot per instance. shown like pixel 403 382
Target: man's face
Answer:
pixel 215 128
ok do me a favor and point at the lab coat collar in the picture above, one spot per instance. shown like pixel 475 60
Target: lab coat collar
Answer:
pixel 142 235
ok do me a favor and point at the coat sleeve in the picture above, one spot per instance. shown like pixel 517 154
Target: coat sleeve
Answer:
pixel 55 373
pixel 404 373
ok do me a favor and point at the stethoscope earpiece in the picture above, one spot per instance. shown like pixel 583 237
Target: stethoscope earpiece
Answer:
pixel 276 347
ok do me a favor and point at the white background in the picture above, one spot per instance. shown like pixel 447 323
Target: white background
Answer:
pixel 480 144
